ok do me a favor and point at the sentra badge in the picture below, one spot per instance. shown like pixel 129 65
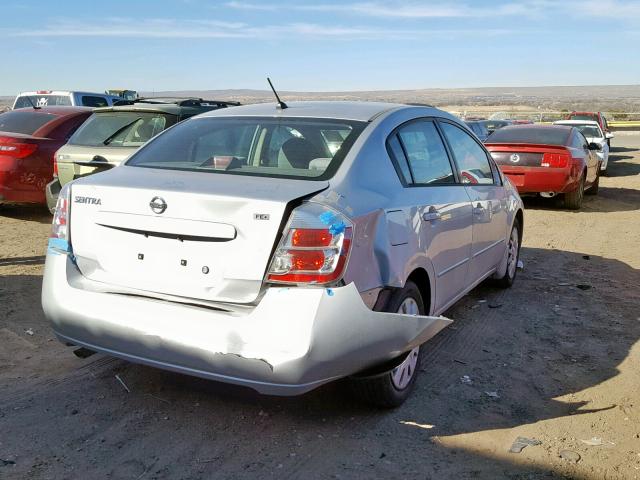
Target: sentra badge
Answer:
pixel 87 200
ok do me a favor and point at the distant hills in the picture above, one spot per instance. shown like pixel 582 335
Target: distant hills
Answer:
pixel 608 98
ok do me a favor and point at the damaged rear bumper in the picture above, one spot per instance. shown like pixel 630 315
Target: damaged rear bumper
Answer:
pixel 293 341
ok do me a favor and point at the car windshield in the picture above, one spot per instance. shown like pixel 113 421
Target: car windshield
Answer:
pixel 120 129
pixel 303 148
pixel 24 121
pixel 535 135
pixel 29 101
pixel 589 131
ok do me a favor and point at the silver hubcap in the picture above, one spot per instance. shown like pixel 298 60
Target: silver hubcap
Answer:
pixel 512 253
pixel 403 373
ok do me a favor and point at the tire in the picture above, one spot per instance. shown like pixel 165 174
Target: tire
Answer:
pixel 593 189
pixel 390 385
pixel 573 200
pixel 513 255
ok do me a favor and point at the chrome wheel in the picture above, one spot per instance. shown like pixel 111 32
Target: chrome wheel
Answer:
pixel 512 253
pixel 401 375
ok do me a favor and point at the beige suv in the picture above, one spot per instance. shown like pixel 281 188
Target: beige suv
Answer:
pixel 112 134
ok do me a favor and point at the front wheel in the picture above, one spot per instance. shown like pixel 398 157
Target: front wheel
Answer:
pixel 513 255
pixel 390 385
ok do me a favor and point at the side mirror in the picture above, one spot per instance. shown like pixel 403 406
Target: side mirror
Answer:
pixel 594 146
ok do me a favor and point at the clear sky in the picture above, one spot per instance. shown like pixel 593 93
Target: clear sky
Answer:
pixel 310 45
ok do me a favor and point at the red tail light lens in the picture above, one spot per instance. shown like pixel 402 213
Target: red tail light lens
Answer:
pixel 311 237
pixel 555 160
pixel 59 237
pixel 12 147
pixel 314 249
pixel 55 165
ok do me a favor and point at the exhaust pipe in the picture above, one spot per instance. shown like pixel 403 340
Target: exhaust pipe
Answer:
pixel 547 194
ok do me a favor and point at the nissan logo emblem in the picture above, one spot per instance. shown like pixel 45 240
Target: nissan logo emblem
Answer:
pixel 515 158
pixel 158 205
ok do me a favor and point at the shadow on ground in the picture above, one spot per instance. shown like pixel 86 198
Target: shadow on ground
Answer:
pixel 532 343
pixel 33 213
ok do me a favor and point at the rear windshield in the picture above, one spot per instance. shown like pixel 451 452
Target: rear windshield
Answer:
pixel 120 129
pixel 271 147
pixel 26 101
pixel 523 134
pixel 24 121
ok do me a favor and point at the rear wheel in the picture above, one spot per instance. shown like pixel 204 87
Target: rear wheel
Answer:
pixel 573 200
pixel 390 385
pixel 512 254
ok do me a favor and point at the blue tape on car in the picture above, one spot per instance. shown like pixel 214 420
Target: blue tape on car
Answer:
pixel 337 228
pixel 327 217
pixel 58 245
pixel 330 292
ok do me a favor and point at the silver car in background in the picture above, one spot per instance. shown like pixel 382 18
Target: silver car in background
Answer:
pixel 283 248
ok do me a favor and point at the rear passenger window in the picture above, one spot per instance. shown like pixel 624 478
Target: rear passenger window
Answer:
pixel 469 155
pixel 578 141
pixel 421 147
pixel 93 101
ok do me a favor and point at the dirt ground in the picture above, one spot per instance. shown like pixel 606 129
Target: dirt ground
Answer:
pixel 556 358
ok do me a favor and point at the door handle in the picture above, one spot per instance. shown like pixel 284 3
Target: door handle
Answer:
pixel 431 215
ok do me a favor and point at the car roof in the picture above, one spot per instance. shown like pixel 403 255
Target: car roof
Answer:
pixel 535 126
pixel 62 92
pixel 171 105
pixel 59 110
pixel 342 110
pixel 171 108
pixel 576 122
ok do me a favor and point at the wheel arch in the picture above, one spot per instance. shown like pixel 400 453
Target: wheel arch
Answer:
pixel 520 218
pixel 421 278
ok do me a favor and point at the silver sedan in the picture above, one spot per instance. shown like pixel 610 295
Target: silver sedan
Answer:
pixel 284 248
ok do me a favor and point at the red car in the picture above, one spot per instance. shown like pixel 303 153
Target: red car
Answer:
pixel 29 137
pixel 547 159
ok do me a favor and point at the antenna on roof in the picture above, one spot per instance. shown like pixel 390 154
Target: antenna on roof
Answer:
pixel 281 104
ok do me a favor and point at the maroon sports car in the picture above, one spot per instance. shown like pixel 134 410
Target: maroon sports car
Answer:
pixel 29 138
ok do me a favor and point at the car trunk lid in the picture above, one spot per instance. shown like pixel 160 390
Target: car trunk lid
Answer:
pixel 521 154
pixel 75 161
pixel 206 236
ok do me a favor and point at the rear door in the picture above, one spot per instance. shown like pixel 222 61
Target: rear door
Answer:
pixel 488 198
pixel 443 205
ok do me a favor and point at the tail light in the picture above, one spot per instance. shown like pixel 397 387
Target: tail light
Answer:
pixel 555 160
pixel 59 238
pixel 12 147
pixel 314 248
pixel 55 165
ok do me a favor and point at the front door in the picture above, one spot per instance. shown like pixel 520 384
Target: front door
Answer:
pixel 488 200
